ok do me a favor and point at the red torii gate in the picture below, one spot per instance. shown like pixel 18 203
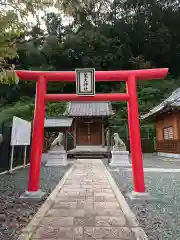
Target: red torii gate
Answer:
pixel 42 77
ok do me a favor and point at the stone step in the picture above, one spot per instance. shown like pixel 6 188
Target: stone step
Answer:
pixel 53 156
pixel 88 154
pixel 89 157
pixel 55 152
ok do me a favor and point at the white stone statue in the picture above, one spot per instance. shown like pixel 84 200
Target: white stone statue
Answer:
pixel 108 138
pixel 118 142
pixel 120 157
pixel 58 141
pixel 57 156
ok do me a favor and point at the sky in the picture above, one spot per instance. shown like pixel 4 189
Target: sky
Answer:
pixel 31 19
pixel 65 19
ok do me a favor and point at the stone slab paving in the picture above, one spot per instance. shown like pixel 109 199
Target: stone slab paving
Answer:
pixel 85 208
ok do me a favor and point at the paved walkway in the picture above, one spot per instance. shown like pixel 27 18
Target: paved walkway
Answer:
pixel 85 208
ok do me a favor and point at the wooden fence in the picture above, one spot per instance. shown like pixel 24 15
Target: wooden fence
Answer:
pixel 169 146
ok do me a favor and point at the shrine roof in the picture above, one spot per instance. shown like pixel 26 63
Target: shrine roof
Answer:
pixel 57 122
pixel 92 109
pixel 173 101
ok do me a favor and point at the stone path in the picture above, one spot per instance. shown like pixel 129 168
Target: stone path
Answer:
pixel 85 208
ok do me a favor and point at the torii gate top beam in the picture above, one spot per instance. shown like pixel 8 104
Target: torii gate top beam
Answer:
pixel 100 76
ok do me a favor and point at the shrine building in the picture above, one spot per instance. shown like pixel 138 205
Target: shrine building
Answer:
pixel 86 122
pixel 90 120
pixel 166 116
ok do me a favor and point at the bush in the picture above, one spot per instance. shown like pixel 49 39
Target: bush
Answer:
pixel 25 110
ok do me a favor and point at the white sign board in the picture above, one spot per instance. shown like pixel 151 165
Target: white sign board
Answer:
pixel 21 132
pixel 85 82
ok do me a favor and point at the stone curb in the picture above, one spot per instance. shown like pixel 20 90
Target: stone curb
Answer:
pixel 29 230
pixel 138 231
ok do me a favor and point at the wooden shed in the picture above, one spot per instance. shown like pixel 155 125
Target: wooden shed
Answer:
pixel 167 119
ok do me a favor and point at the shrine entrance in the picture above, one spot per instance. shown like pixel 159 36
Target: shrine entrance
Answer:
pixel 85 80
pixel 88 133
pixel 90 119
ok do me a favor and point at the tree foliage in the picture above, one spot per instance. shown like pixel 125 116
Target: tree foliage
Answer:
pixel 13 27
pixel 25 109
pixel 103 34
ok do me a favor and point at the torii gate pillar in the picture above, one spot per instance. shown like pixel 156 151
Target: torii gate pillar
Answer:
pixel 134 137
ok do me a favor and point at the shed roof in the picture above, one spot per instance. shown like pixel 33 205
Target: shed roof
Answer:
pixel 77 109
pixel 58 122
pixel 173 101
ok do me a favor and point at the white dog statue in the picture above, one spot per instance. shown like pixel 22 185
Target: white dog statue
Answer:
pixel 118 143
pixel 58 141
pixel 57 156
pixel 120 156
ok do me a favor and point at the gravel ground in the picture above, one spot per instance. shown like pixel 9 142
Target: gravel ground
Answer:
pixel 14 213
pixel 159 218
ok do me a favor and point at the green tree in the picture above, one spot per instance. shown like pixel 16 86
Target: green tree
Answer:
pixel 13 25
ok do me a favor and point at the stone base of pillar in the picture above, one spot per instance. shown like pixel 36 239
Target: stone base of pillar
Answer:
pixel 35 196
